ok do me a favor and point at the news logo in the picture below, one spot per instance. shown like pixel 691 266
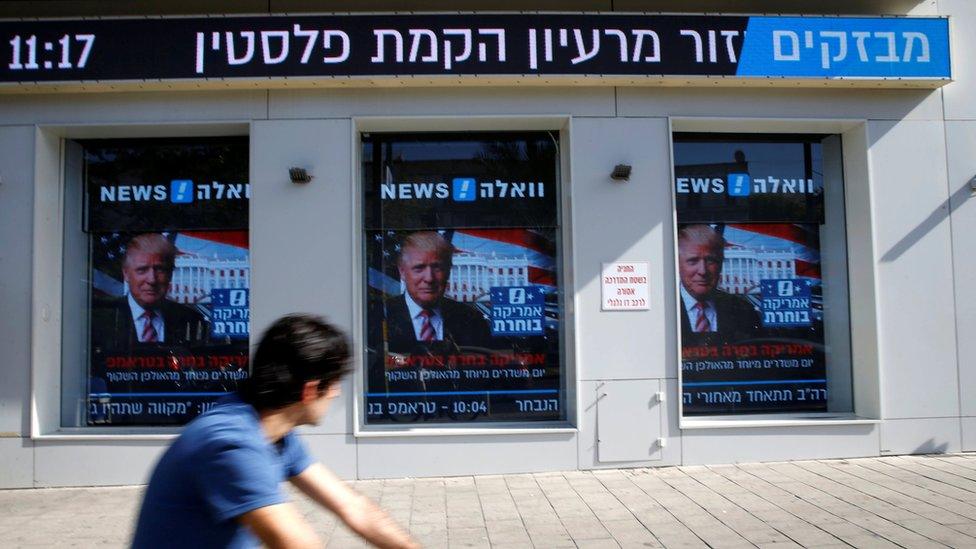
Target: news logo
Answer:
pixel 464 189
pixel 516 296
pixel 181 191
pixel 739 184
pixel 784 288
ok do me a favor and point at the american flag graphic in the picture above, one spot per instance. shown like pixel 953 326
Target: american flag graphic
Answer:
pixel 755 252
pixel 801 241
pixel 536 246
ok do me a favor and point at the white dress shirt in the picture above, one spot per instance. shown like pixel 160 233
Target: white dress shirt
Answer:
pixel 436 320
pixel 693 311
pixel 140 321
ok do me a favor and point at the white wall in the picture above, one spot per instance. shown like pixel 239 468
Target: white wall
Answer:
pixel 960 114
pixel 914 272
pixel 16 218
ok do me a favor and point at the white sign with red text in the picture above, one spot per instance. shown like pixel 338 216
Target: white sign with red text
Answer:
pixel 625 286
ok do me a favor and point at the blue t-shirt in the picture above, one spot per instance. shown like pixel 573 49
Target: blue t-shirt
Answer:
pixel 219 468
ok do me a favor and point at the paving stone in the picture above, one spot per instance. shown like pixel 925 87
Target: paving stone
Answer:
pixel 620 513
pixel 870 542
pixel 846 530
pixel 939 533
pixel 507 532
pixel 607 543
pixel 465 521
pixel 580 529
pixel 676 537
pixel 720 536
pixel 809 536
pixel 896 533
pixel 655 517
pixel 467 537
pixel 429 518
pixel 433 540
pixel 631 533
pixel 541 521
pixel 501 514
pixel 969 528
pixel 550 536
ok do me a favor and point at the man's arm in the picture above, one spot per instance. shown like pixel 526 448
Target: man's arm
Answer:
pixel 357 511
pixel 280 526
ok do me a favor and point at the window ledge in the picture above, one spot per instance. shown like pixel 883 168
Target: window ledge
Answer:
pixel 561 428
pixel 732 422
pixel 96 433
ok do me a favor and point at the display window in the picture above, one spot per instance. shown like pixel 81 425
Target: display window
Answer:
pixel 750 264
pixel 166 280
pixel 463 293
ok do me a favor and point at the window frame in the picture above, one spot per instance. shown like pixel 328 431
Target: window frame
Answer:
pixel 862 304
pixel 47 310
pixel 452 124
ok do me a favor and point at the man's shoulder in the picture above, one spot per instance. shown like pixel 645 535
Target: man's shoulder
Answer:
pixel 456 308
pixel 396 309
pixel 111 303
pixel 396 302
pixel 734 304
pixel 466 324
pixel 727 297
pixel 110 314
pixel 227 422
pixel 180 311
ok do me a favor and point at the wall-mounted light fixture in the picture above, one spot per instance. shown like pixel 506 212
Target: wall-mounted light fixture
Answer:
pixel 299 175
pixel 972 186
pixel 621 172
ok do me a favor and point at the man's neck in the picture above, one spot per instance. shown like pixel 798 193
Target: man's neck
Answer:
pixel 134 305
pixel 278 423
pixel 413 307
pixel 690 300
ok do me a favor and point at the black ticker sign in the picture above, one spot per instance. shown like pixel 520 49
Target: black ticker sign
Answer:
pixel 345 46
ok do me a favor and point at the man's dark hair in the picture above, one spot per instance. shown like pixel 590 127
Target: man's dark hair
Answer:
pixel 296 349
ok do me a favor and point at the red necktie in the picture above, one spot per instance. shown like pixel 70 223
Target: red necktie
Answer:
pixel 426 329
pixel 149 334
pixel 702 324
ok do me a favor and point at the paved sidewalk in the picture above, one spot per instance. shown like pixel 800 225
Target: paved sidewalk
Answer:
pixel 881 502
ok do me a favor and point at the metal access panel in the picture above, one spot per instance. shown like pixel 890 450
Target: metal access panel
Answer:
pixel 628 418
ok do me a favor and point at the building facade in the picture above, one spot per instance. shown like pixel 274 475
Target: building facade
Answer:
pixel 854 273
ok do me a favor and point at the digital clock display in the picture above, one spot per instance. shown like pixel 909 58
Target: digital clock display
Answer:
pixel 68 52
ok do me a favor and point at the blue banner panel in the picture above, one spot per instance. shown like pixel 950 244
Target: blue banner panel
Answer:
pixel 810 47
pixel 786 303
pixel 518 310
pixel 231 313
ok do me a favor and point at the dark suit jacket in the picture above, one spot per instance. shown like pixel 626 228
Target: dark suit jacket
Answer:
pixel 737 319
pixel 114 330
pixel 463 327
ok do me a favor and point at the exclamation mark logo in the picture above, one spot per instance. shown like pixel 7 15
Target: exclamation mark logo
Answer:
pixel 463 189
pixel 739 184
pixel 181 191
